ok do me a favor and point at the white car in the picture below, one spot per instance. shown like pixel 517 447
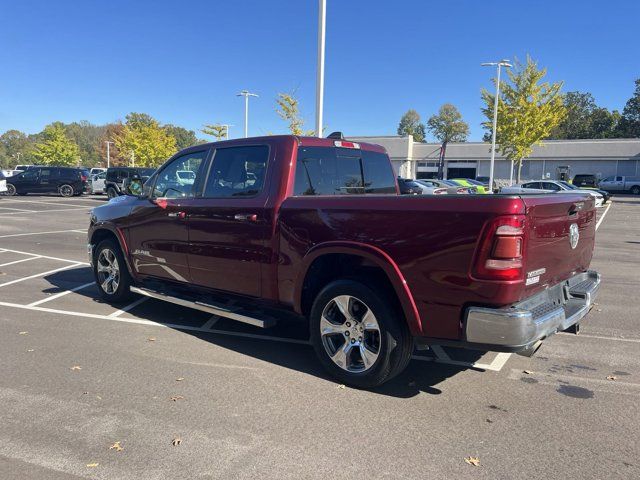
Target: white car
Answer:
pixel 186 177
pixel 3 183
pixel 97 170
pixel 97 183
pixel 555 186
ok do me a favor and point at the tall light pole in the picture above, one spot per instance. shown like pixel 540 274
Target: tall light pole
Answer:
pixel 246 94
pixel 501 63
pixel 108 155
pixel 322 17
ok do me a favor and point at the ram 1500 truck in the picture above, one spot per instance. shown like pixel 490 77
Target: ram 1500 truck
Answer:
pixel 316 227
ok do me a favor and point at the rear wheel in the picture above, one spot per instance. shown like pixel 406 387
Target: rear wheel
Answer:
pixel 359 337
pixel 66 190
pixel 11 190
pixel 110 272
pixel 635 190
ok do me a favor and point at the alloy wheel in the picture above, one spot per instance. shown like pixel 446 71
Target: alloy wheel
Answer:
pixel 108 271
pixel 66 190
pixel 350 333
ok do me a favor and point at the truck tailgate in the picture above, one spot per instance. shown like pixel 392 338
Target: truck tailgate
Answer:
pixel 561 236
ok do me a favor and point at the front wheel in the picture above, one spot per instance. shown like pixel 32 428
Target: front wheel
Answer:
pixel 111 274
pixel 359 337
pixel 66 190
pixel 635 190
pixel 11 190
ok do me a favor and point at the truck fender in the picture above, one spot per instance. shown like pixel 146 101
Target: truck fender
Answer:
pixel 120 237
pixel 378 257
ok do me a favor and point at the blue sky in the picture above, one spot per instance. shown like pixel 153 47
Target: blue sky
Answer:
pixel 183 62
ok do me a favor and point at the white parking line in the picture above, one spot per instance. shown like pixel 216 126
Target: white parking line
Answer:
pixel 17 280
pixel 46 203
pixel 5 214
pixel 61 294
pixel 602 337
pixel 40 233
pixel 45 256
pixel 18 209
pixel 129 307
pixel 19 261
pixel 603 214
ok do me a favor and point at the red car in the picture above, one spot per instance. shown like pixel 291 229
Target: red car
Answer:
pixel 316 226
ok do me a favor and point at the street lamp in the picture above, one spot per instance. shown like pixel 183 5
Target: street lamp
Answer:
pixel 501 63
pixel 108 156
pixel 246 94
pixel 322 16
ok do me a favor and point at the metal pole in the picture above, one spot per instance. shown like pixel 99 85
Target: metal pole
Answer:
pixel 108 157
pixel 493 134
pixel 322 11
pixel 246 116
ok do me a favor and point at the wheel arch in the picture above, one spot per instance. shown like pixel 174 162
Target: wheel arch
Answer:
pixel 106 231
pixel 371 256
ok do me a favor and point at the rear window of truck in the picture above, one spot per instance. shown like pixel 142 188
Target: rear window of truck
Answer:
pixel 343 171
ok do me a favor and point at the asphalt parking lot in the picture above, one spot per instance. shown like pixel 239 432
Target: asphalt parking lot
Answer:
pixel 78 375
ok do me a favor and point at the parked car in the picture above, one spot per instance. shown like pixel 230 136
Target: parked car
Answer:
pixel 585 180
pixel 116 178
pixel 10 173
pixel 96 186
pixel 97 170
pixel 484 180
pixel 3 184
pixel 452 188
pixel 66 181
pixel 556 186
pixel 621 184
pixel 465 182
pixel 417 187
pixel 316 228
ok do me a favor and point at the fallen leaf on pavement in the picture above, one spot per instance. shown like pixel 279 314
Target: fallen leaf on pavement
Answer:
pixel 341 386
pixel 475 461
pixel 91 465
pixel 76 367
pixel 612 377
pixel 116 446
pixel 30 350
pixel 528 372
pixel 179 379
pixel 22 333
pixel 175 398
pixel 151 339
pixel 176 441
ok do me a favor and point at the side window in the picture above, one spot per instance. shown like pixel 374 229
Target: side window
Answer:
pixel 618 179
pixel 378 173
pixel 31 174
pixel 45 174
pixel 531 185
pixel 178 179
pixel 608 179
pixel 237 172
pixel 550 186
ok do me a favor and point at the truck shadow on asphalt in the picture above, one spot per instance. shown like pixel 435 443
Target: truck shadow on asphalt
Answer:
pixel 420 376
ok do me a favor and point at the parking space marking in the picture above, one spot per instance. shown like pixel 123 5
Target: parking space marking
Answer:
pixel 601 337
pixel 40 233
pixel 47 203
pixel 61 294
pixel 4 214
pixel 18 261
pixel 603 214
pixel 129 307
pixel 46 256
pixel 18 209
pixel 17 280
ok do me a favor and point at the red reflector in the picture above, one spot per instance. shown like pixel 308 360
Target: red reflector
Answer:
pixel 440 191
pixel 507 247
pixel 343 144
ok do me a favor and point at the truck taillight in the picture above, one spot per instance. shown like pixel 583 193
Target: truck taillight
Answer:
pixel 343 144
pixel 501 249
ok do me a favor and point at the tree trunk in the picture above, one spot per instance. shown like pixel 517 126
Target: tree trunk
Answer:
pixel 519 171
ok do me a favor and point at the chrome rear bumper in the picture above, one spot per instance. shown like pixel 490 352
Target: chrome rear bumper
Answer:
pixel 522 326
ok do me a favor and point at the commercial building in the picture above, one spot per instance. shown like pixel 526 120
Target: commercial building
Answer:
pixel 553 159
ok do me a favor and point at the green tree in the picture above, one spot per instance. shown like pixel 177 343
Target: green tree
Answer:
pixel 288 108
pixel 87 136
pixel 584 119
pixel 410 125
pixel 145 142
pixel 219 132
pixel 528 110
pixel 629 125
pixel 15 148
pixel 447 125
pixel 184 138
pixel 56 148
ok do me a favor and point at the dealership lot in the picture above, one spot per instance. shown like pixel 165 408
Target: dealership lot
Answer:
pixel 78 375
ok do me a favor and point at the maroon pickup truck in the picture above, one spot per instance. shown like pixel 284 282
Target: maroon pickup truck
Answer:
pixel 316 226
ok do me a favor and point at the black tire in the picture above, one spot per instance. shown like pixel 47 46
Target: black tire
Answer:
pixel 11 190
pixel 111 193
pixel 394 340
pixel 121 293
pixel 66 190
pixel 635 190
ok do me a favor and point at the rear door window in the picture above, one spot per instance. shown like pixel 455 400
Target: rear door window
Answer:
pixel 342 171
pixel 237 172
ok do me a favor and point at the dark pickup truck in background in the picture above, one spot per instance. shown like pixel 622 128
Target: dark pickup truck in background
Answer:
pixel 316 226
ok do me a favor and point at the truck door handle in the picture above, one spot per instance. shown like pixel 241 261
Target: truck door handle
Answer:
pixel 180 215
pixel 246 217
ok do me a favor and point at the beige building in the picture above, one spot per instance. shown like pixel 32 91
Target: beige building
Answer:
pixel 604 158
